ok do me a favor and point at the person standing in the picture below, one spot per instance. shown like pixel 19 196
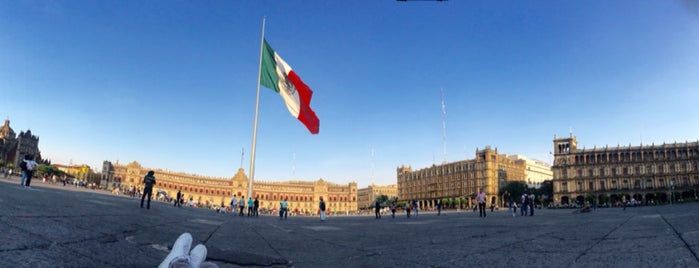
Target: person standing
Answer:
pixel 177 200
pixel 532 204
pixel 377 210
pixel 393 209
pixel 241 206
pixel 416 204
pixel 481 203
pixel 407 208
pixel 439 207
pixel 256 207
pixel 250 206
pixel 149 181
pixel 31 166
pixel 234 204
pixel 321 207
pixel 523 207
pixel 284 209
pixel 23 170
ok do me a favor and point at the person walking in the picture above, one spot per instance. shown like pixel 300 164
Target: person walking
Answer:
pixel 439 207
pixel 377 210
pixel 149 181
pixel 532 204
pixel 321 208
pixel 407 208
pixel 241 206
pixel 481 203
pixel 393 209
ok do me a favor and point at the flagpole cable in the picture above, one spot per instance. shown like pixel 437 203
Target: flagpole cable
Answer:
pixel 257 106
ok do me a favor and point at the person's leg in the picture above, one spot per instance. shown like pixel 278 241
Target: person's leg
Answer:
pixel 23 178
pixel 30 174
pixel 142 198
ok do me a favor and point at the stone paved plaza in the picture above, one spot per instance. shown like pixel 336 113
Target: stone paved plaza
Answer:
pixel 53 226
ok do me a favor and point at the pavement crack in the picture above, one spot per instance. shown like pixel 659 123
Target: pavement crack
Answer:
pixel 681 238
pixel 601 239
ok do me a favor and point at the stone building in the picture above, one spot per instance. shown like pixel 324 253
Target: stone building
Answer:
pixel 460 181
pixel 647 173
pixel 303 196
pixel 367 196
pixel 536 171
pixel 13 148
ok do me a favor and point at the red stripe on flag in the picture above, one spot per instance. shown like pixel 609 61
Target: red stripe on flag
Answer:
pixel 306 115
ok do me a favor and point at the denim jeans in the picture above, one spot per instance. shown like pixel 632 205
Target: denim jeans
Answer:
pixel 24 177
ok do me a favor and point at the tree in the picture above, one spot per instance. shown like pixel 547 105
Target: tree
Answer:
pixel 382 198
pixel 513 189
pixel 48 170
pixel 546 189
pixel 589 198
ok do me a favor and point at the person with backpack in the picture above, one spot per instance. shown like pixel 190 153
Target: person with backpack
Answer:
pixel 321 207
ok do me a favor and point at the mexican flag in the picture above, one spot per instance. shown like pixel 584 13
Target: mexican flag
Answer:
pixel 276 74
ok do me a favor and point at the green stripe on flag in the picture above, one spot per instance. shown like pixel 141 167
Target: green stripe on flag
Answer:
pixel 268 74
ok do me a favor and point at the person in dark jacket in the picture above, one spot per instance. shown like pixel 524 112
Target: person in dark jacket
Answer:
pixel 149 181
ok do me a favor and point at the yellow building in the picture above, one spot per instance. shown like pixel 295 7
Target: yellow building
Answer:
pixel 302 196
pixel 536 171
pixel 646 173
pixel 461 180
pixel 367 196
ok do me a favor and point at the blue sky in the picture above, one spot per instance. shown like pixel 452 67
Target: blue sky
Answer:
pixel 171 84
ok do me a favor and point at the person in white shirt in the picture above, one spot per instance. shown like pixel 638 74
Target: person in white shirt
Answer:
pixel 29 172
pixel 481 203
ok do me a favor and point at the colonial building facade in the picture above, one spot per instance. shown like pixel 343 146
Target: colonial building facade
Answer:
pixel 460 180
pixel 535 172
pixel 647 173
pixel 13 148
pixel 302 196
pixel 367 196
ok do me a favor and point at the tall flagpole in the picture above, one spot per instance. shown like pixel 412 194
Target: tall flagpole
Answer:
pixel 251 178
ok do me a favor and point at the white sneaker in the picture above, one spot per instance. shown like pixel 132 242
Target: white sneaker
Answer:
pixel 197 256
pixel 179 249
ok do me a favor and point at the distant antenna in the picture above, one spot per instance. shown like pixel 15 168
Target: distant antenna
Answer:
pixel 444 129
